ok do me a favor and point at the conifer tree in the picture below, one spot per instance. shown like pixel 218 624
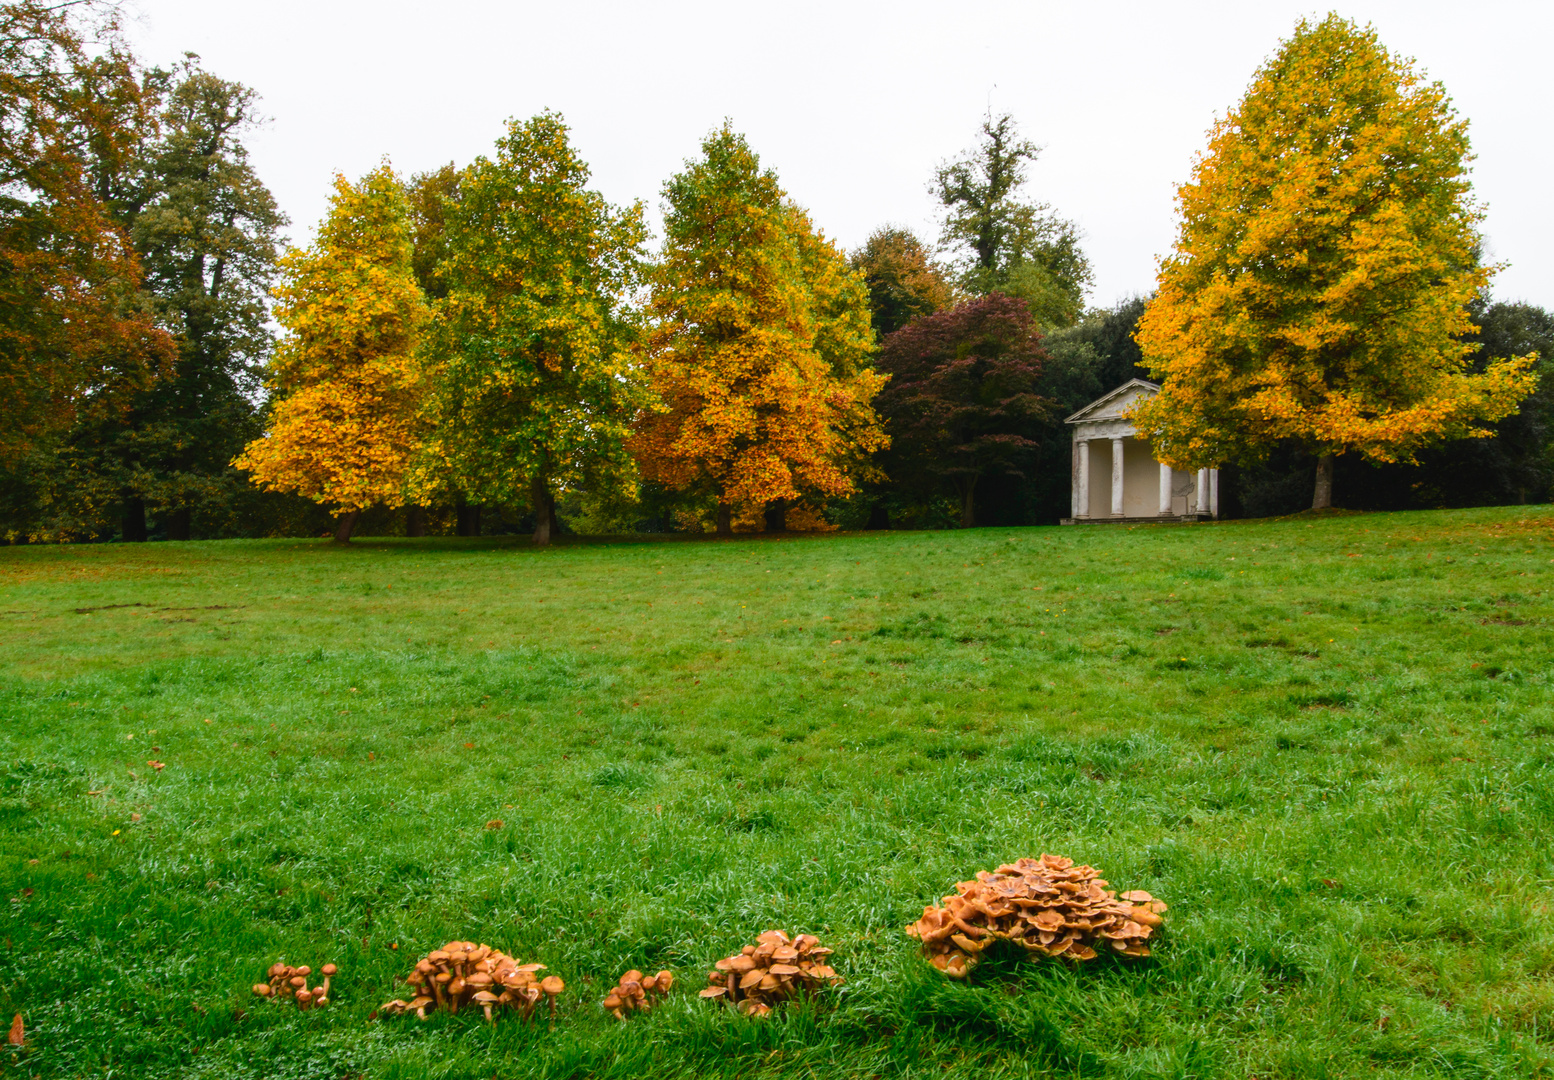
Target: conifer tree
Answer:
pixel 1319 288
pixel 346 383
pixel 760 347
pixel 535 383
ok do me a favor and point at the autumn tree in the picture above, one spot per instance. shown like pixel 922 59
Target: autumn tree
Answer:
pixel 347 387
pixel 1319 287
pixel 1005 243
pixel 963 401
pixel 74 337
pixel 902 278
pixel 760 344
pixel 535 383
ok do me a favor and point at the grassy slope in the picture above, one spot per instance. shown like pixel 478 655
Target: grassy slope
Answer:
pixel 1328 744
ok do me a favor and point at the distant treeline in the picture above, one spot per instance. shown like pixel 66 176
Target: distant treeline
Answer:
pixel 493 349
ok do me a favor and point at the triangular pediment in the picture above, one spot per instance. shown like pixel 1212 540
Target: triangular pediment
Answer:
pixel 1112 406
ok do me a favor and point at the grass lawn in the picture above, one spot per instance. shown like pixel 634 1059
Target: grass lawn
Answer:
pixel 1328 743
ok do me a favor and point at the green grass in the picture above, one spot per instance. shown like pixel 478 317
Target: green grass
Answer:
pixel 1328 743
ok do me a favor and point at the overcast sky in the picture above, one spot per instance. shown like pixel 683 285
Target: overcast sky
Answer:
pixel 852 103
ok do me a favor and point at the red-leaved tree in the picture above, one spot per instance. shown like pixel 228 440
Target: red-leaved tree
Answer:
pixel 961 403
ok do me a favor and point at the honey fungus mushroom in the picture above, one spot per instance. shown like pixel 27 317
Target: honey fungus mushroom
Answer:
pixel 1048 906
pixel 637 993
pixel 286 981
pixel 775 969
pixel 462 973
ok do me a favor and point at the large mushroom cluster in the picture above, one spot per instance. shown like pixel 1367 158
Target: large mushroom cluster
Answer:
pixel 1049 906
pixel 462 973
pixel 292 982
pixel 637 992
pixel 772 970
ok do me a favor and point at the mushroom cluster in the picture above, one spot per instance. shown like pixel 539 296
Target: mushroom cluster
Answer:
pixel 463 973
pixel 772 970
pixel 292 982
pixel 1049 906
pixel 637 992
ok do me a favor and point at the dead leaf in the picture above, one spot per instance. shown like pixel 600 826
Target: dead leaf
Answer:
pixel 18 1032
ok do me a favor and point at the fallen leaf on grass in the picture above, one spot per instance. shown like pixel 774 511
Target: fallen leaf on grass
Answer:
pixel 18 1032
pixel 157 765
pixel 495 823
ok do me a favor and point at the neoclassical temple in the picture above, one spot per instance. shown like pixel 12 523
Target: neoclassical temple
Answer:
pixel 1116 479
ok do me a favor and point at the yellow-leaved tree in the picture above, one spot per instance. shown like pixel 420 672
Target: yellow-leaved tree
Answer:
pixel 345 382
pixel 1318 289
pixel 760 346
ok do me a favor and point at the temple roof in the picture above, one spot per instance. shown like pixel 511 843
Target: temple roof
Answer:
pixel 1111 406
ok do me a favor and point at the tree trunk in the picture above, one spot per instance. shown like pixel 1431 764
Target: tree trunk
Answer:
pixel 968 517
pixel 133 525
pixel 879 517
pixel 1323 499
pixel 555 522
pixel 539 497
pixel 178 524
pixel 725 519
pixel 469 520
pixel 415 521
pixel 346 526
pixel 777 516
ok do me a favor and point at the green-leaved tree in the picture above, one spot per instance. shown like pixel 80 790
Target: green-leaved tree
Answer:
pixel 535 386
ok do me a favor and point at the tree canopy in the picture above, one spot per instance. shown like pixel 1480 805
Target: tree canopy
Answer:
pixel 535 383
pixel 1320 284
pixel 74 337
pixel 902 277
pixel 1001 242
pixel 348 387
pixel 963 401
pixel 760 346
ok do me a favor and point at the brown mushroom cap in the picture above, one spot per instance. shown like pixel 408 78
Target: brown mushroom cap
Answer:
pixel 665 981
pixel 329 970
pixel 263 989
pixel 552 985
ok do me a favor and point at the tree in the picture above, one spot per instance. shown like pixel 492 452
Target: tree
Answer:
pixel 962 399
pixel 347 385
pixel 430 194
pixel 206 229
pixel 760 346
pixel 1319 285
pixel 1021 249
pixel 903 280
pixel 74 339
pixel 535 383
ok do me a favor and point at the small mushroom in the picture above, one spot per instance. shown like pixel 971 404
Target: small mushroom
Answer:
pixel 329 971
pixel 263 990
pixel 552 985
pixel 304 998
pixel 486 999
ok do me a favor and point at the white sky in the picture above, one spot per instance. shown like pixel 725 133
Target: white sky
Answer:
pixel 851 102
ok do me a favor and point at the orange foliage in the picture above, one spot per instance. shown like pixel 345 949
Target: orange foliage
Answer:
pixel 1327 252
pixel 760 347
pixel 347 384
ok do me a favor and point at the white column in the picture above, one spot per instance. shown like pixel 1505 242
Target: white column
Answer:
pixel 1116 478
pixel 1165 488
pixel 1214 492
pixel 1203 491
pixel 1082 482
